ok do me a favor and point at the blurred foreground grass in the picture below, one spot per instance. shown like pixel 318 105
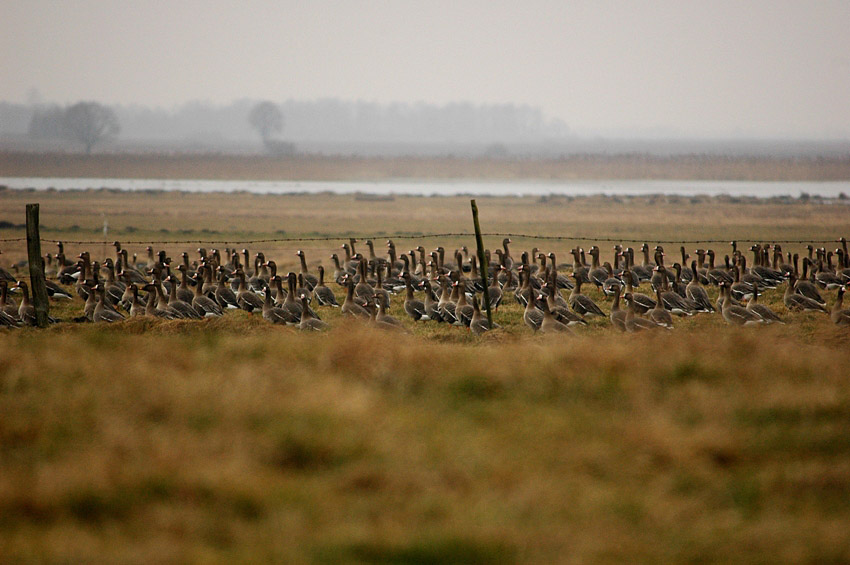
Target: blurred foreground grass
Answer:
pixel 234 441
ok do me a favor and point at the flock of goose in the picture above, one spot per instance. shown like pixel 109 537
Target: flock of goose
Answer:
pixel 440 289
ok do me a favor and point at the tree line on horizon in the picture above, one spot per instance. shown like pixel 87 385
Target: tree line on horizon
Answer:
pixel 325 120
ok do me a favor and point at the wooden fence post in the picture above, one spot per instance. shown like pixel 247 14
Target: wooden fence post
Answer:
pixel 37 285
pixel 482 261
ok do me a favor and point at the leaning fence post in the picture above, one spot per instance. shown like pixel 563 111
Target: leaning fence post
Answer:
pixel 481 261
pixel 39 289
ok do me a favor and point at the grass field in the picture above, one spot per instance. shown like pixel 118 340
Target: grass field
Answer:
pixel 235 441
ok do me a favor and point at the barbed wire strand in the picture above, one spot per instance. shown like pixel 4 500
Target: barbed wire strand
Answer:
pixel 607 239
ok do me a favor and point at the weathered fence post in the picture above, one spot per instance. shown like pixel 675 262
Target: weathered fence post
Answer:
pixel 37 285
pixel 481 261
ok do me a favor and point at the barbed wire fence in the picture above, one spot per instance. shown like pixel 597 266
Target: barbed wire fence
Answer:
pixel 413 236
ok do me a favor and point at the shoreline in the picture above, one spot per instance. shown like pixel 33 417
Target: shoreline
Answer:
pixel 412 169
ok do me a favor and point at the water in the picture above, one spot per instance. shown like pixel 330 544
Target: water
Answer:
pixel 756 189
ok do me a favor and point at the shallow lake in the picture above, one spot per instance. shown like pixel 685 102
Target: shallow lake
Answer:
pixel 759 189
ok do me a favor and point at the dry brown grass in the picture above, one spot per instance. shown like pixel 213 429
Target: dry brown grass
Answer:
pixel 150 444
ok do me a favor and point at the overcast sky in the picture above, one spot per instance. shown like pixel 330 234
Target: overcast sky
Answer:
pixel 697 68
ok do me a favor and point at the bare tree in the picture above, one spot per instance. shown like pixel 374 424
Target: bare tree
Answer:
pixel 90 123
pixel 267 119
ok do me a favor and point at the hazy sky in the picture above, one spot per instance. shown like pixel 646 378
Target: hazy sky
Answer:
pixel 772 68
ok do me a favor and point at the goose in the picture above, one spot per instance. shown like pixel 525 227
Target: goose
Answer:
pixel 806 286
pixel 324 295
pixel 550 324
pixel 840 316
pixel 659 314
pixel 183 291
pixel 153 301
pixel 225 297
pixel 736 315
pixel 826 277
pixel 308 321
pixel 714 274
pixel 494 293
pixel 137 307
pixel 463 310
pixel 582 304
pixel 598 273
pixel 479 324
pixel 203 304
pixel 291 303
pixel 740 290
pixel 697 293
pixel 247 299
pixel 532 317
pixel 362 291
pixel 522 293
pixel 611 285
pixel 382 317
pixel 26 310
pixel 414 307
pixel 102 313
pixel 798 303
pixel 310 280
pixel 642 302
pixel 507 260
pixel 673 301
pixel 432 306
pixel 632 322
pixel 618 316
pixel 563 281
pixel 184 308
pixel 350 306
pixel 579 267
pixel 276 315
pixel 445 304
pixel 7 303
pixel 768 315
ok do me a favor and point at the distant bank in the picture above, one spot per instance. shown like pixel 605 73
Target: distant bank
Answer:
pixel 375 169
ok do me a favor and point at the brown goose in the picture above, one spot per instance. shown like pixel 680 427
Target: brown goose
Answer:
pixel 7 303
pixel 324 295
pixel 549 324
pixel 618 316
pixel 796 302
pixel 26 310
pixel 632 322
pixel 479 323
pixel 310 280
pixel 736 315
pixel 203 304
pixel 225 297
pixel 494 293
pixel 362 290
pixel 414 307
pixel 582 304
pixel 697 293
pixel 463 309
pixel 532 317
pixel 183 291
pixel 642 302
pixel 275 315
pixel 350 306
pixel 308 321
pixel 137 307
pixel 839 315
pixel 446 304
pixel 806 285
pixel 768 315
pixel 102 313
pixel 6 275
pixel 432 307
pixel 184 308
pixel 659 314
pixel 152 303
pixel 382 317
pixel 247 299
